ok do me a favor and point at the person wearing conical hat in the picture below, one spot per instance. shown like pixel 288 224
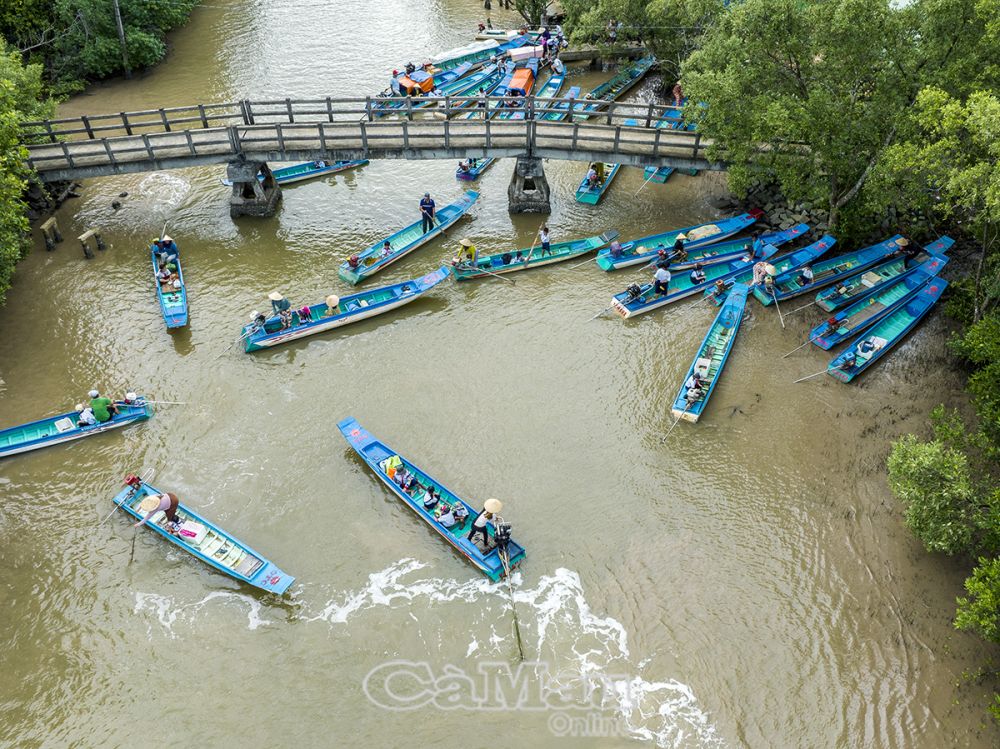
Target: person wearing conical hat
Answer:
pixel 278 302
pixel 468 253
pixel 679 254
pixel 490 508
pixel 154 503
pixel 332 305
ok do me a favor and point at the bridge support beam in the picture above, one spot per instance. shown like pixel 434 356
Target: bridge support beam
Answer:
pixel 252 196
pixel 529 190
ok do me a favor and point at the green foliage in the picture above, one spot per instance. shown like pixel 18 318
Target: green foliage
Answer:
pixel 980 610
pixel 932 481
pixel 21 98
pixel 532 10
pixel 980 346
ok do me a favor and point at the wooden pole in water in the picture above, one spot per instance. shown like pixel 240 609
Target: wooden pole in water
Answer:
pixel 774 296
pixel 809 377
pixel 131 556
pixel 580 265
pixel 676 422
pixel 513 608
pixel 797 309
pixel 785 356
pixel 651 175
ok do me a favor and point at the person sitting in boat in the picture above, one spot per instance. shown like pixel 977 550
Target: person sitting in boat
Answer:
pixel 410 68
pixel 163 277
pixel 490 508
pixel 285 319
pixel 104 408
pixel 166 503
pixel 431 497
pixel 386 249
pixel 354 261
pixel 615 249
pixel 679 254
pixel 305 315
pixel 848 361
pixel 694 387
pixel 506 258
pixel 468 252
pixel 257 321
pixel 463 167
pixel 460 512
pixel 720 289
pixel 697 275
pixel 558 68
pixel 661 279
pixel 805 276
pixel 473 162
pixel 332 305
pixel 85 416
pixel 394 84
pixel 278 302
pixel 592 177
pixel 482 27
pixel 769 285
pixel 447 517
pixel 519 258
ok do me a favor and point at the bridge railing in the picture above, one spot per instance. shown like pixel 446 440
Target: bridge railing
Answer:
pixel 248 112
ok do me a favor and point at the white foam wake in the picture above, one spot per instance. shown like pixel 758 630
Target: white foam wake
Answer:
pixel 168 612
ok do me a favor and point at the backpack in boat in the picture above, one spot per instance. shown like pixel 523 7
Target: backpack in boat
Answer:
pixel 634 291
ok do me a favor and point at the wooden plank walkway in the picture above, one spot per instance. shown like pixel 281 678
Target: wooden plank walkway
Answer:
pixel 334 129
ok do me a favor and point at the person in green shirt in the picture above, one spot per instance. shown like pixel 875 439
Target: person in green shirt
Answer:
pixel 103 408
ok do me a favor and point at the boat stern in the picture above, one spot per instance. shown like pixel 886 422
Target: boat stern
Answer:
pixel 272 579
pixel 353 277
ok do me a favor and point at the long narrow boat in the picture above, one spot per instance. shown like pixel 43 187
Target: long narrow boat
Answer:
pixel 173 301
pixel 499 90
pixel 592 195
pixel 865 312
pixel 712 356
pixel 639 299
pixel 780 265
pixel 531 257
pixel 562 106
pixel 288 175
pixel 863 285
pixel 482 80
pixel 550 90
pixel 208 542
pixel 378 457
pixel 519 88
pixel 610 90
pixel 484 87
pixel 643 250
pixel 789 284
pixel 475 54
pixel 872 345
pixel 55 430
pixel 733 249
pixel 371 260
pixel 413 86
pixel 471 173
pixel 502 35
pixel 349 309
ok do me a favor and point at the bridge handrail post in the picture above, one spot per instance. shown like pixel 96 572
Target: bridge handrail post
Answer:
pixel 649 115
pixel 611 108
pixel 126 123
pixel 697 143
pixel 322 138
pixel 368 109
pixel 529 133
pixel 409 108
pixel 164 120
pixel 86 123
pixel 329 109
pixel 618 135
pixel 656 143
pixel 204 119
pixel 291 114
pixel 447 133
pixel 364 135
pixel 488 134
pixel 447 113
pixel 406 134
pixel 529 108
pixel 281 136
pixel 67 154
pixel 149 147
pixel 248 113
pixel 234 139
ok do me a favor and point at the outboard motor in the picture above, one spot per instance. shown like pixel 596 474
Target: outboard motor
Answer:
pixel 502 537
pixel 634 291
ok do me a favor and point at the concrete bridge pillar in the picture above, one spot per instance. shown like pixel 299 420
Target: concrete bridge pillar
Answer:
pixel 252 196
pixel 529 190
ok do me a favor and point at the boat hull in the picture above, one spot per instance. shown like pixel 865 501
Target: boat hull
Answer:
pixel 49 431
pixel 493 265
pixel 229 557
pixel 592 195
pixel 173 304
pixel 374 453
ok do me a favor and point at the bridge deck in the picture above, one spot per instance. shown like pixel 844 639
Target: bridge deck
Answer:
pixel 276 131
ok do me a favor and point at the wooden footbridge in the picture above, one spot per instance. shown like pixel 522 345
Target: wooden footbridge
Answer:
pixel 352 128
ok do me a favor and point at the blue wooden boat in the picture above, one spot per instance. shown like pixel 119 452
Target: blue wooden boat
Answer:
pixel 863 285
pixel 416 84
pixel 780 265
pixel 874 344
pixel 519 88
pixel 864 313
pixel 644 250
pixel 478 56
pixel 592 195
pixel 378 456
pixel 483 87
pixel 531 257
pixel 471 173
pixel 55 430
pixel 208 542
pixel 288 175
pixel 492 107
pixel 712 356
pixel 562 106
pixel 618 86
pixel 349 309
pixel 550 90
pixel 637 300
pixel 733 249
pixel 172 297
pixel 371 260
pixel 790 284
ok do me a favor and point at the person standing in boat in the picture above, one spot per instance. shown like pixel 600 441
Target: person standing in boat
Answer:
pixel 468 252
pixel 427 212
pixel 166 503
pixel 546 239
pixel 104 408
pixel 490 508
pixel 661 279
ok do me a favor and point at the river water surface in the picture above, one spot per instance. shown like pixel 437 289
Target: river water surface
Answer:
pixel 747 583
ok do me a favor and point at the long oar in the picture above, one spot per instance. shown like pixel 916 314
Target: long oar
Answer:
pixel 532 250
pixel 169 403
pixel 677 421
pixel 513 608
pixel 131 555
pixel 495 275
pixel 651 175
pixel 811 340
pixel 774 296
pixel 606 309
pixel 580 265
pixel 809 377
pixel 797 309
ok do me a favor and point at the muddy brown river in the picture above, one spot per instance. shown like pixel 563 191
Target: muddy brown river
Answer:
pixel 747 583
